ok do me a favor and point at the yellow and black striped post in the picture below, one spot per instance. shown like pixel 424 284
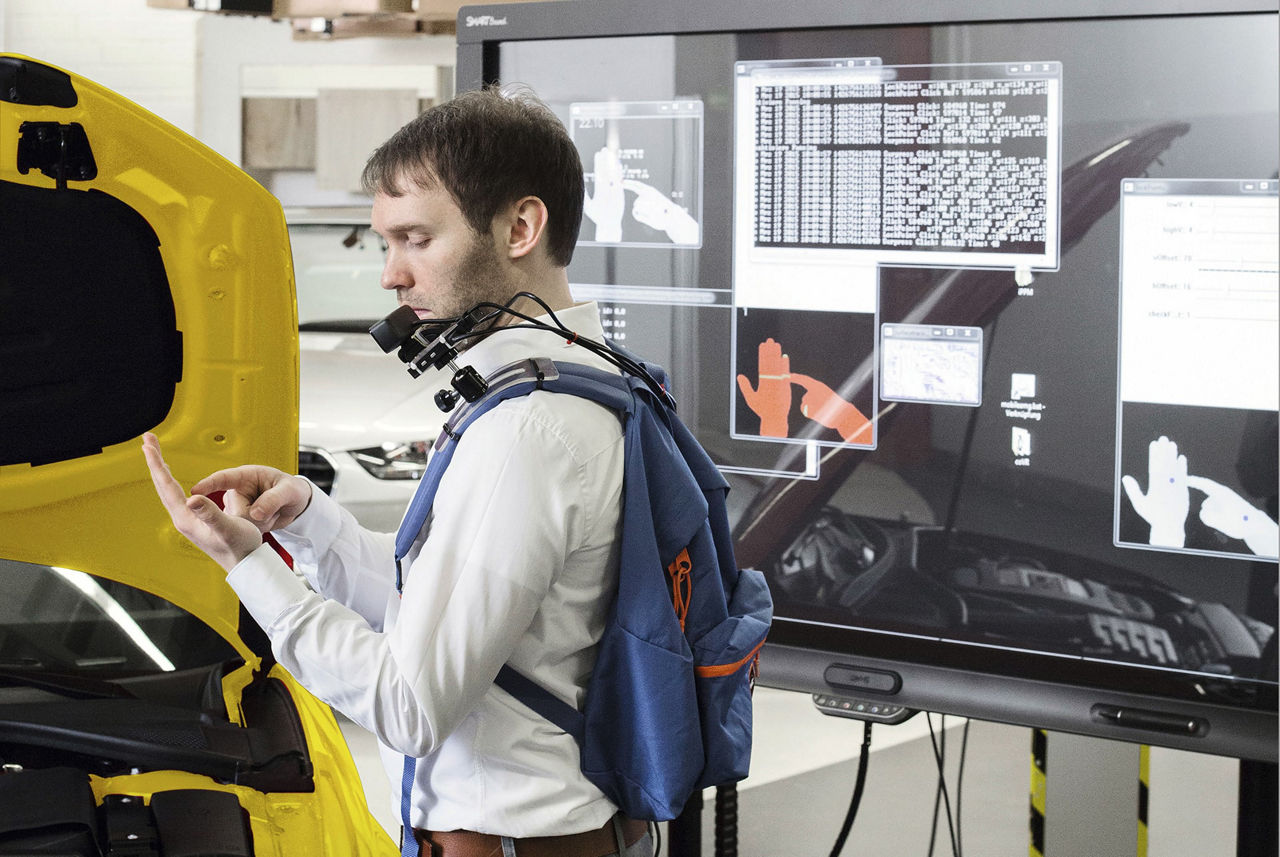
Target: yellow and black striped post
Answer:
pixel 1039 749
pixel 1144 780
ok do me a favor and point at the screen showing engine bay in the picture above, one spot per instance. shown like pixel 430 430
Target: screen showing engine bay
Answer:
pixel 982 329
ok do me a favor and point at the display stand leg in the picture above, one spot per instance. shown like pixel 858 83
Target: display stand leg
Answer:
pixel 1256 834
pixel 1088 794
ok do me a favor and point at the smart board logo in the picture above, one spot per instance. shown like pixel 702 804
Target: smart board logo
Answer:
pixel 485 21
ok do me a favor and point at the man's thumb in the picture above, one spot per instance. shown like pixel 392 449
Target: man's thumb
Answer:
pixel 202 507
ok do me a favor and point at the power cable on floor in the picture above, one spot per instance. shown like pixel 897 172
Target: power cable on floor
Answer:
pixel 859 782
pixel 937 791
pixel 964 747
pixel 942 782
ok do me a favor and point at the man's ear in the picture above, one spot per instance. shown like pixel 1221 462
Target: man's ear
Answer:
pixel 526 223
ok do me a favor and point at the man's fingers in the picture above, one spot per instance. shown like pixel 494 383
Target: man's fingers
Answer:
pixel 234 503
pixel 211 530
pixel 269 503
pixel 225 480
pixel 203 508
pixel 171 493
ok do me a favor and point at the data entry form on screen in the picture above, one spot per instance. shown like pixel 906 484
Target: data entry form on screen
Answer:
pixel 1199 339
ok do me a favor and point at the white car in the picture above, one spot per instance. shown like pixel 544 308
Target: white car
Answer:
pixel 365 424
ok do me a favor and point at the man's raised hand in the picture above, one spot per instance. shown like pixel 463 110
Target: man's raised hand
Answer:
pixel 257 499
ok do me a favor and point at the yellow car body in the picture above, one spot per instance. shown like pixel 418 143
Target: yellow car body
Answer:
pixel 197 342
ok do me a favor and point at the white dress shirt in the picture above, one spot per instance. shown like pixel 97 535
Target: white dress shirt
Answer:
pixel 518 565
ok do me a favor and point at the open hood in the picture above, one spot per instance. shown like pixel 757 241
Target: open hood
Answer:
pixel 145 285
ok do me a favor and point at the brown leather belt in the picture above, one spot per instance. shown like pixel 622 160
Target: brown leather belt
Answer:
pixel 591 843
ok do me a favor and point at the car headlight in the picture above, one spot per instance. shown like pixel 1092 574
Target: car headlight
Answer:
pixel 395 460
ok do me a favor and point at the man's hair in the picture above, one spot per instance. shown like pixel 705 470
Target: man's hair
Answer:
pixel 487 149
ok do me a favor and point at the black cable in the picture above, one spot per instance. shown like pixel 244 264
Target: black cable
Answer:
pixel 937 790
pixel 942 784
pixel 618 359
pixel 964 748
pixel 859 782
pixel 624 363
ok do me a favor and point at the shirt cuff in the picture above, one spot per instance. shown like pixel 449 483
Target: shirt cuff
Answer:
pixel 310 535
pixel 266 586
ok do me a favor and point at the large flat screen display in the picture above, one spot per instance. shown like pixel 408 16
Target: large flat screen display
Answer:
pixel 977 309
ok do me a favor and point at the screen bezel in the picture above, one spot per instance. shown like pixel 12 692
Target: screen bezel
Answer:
pixel 937 676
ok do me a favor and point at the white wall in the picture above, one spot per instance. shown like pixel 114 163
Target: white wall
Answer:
pixel 230 44
pixel 148 55
pixel 187 66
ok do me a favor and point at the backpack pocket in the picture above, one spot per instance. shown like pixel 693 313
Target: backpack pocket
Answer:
pixel 637 738
pixel 724 665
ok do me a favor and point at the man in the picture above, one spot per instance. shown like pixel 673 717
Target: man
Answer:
pixel 477 199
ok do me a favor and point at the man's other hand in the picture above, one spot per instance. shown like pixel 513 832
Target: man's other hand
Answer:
pixel 256 500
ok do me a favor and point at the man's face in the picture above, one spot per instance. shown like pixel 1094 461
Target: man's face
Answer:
pixel 436 263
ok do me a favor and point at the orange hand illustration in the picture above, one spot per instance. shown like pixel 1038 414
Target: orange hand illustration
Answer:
pixel 771 399
pixel 824 406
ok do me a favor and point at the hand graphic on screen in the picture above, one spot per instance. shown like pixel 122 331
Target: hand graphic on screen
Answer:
pixel 656 210
pixel 1165 504
pixel 1232 515
pixel 822 405
pixel 770 400
pixel 608 200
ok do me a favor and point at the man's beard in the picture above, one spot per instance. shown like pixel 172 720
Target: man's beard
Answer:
pixel 480 278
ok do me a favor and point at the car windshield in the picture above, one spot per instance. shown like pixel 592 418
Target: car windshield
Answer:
pixel 337 267
pixel 67 621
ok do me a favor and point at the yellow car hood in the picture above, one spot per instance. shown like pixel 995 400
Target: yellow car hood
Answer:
pixel 145 284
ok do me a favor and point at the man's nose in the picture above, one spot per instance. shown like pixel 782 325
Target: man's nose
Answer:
pixel 394 274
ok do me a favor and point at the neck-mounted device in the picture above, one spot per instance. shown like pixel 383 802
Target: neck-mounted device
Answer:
pixel 435 343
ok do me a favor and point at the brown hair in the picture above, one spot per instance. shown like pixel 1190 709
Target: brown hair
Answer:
pixel 488 148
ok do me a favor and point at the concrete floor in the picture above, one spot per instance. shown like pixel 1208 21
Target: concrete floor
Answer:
pixel 804 766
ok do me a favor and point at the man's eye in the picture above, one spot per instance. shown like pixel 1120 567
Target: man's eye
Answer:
pixel 419 243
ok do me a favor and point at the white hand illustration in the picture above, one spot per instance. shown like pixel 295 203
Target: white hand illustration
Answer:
pixel 1166 502
pixel 1230 514
pixel 655 209
pixel 607 202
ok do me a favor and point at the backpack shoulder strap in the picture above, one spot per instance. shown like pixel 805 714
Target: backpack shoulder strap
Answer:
pixel 542 702
pixel 519 379
pixel 515 379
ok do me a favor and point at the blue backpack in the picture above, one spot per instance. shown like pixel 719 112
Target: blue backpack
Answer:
pixel 668 709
